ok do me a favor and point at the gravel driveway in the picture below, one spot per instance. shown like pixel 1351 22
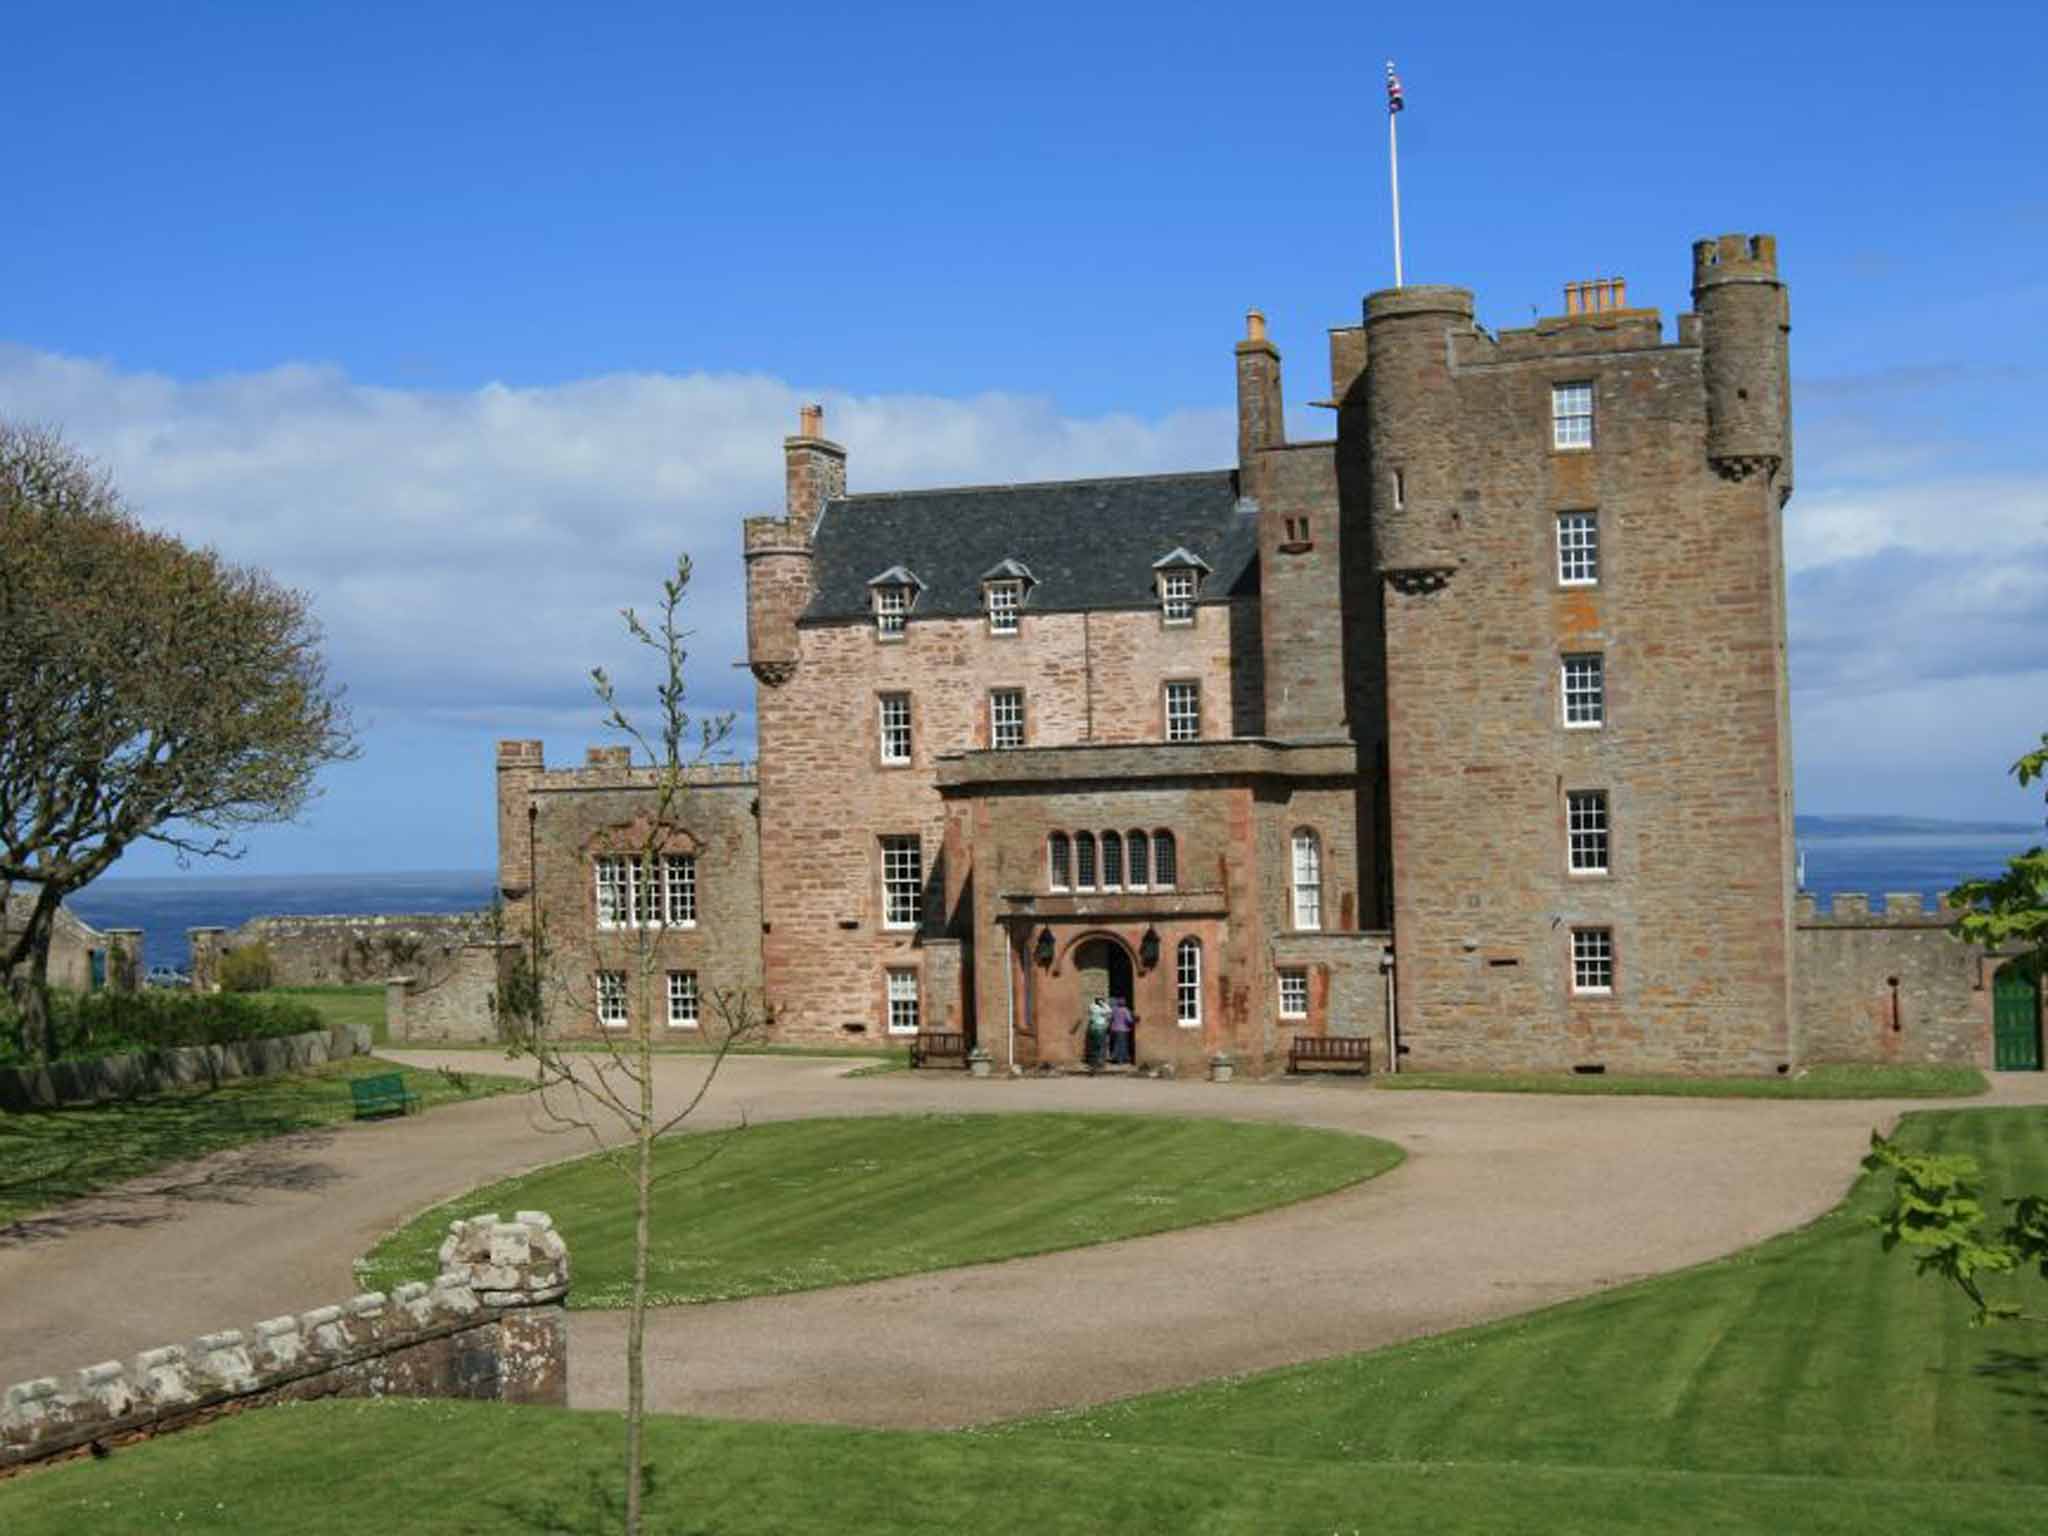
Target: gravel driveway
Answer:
pixel 1507 1202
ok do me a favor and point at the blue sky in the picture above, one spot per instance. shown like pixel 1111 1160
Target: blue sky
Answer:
pixel 466 318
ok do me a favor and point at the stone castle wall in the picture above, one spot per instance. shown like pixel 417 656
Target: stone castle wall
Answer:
pixel 344 950
pixel 1694 754
pixel 559 821
pixel 490 1328
pixel 1890 983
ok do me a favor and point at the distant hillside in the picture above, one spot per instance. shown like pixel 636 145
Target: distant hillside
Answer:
pixel 1901 826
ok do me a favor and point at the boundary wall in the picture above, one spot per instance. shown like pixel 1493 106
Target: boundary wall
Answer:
pixel 491 1328
pixel 96 1079
pixel 1888 983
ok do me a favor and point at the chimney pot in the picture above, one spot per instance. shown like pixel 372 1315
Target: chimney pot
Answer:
pixel 1254 326
pixel 811 421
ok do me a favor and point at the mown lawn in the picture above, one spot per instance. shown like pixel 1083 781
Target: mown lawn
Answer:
pixel 1817 1082
pixel 50 1156
pixel 343 1005
pixel 1811 1384
pixel 802 1204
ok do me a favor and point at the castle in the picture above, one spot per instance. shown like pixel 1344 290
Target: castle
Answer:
pixel 1463 732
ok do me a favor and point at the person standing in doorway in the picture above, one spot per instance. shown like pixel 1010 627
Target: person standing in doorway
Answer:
pixel 1098 1034
pixel 1122 1022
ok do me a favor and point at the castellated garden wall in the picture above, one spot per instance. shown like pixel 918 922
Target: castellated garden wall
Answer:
pixel 491 1328
pixel 1887 982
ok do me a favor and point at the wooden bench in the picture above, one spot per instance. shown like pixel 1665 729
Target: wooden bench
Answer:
pixel 383 1094
pixel 937 1045
pixel 1345 1050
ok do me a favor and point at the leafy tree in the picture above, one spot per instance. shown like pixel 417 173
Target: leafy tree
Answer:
pixel 2011 908
pixel 1937 1209
pixel 148 692
pixel 1937 1212
pixel 608 1094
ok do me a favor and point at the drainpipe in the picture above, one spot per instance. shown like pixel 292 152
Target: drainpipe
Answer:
pixel 1010 997
pixel 1393 1038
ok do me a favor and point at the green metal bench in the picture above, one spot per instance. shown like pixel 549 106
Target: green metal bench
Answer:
pixel 383 1094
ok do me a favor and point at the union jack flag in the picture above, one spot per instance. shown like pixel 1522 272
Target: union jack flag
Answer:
pixel 1394 102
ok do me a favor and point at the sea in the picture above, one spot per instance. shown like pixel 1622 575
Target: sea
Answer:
pixel 163 907
pixel 1870 854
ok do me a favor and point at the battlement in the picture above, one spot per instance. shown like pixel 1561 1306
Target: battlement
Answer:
pixel 1857 909
pixel 469 1334
pixel 772 536
pixel 519 754
pixel 1734 259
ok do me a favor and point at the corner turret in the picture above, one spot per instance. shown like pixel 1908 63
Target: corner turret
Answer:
pixel 778 549
pixel 1413 425
pixel 1744 318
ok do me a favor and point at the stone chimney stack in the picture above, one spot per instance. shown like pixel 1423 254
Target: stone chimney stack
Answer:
pixel 1259 417
pixel 814 469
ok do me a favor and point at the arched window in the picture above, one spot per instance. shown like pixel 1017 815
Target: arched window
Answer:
pixel 1163 871
pixel 1112 861
pixel 1141 861
pixel 1058 856
pixel 1308 879
pixel 1187 982
pixel 1084 861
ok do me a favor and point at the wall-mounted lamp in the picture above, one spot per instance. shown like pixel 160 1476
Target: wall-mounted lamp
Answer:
pixel 1148 948
pixel 1042 951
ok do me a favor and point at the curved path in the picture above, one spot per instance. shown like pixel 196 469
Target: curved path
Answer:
pixel 1506 1202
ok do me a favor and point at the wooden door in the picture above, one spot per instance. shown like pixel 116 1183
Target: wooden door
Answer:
pixel 2016 1021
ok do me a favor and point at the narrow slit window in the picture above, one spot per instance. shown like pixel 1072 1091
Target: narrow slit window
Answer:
pixel 1308 881
pixel 1187 983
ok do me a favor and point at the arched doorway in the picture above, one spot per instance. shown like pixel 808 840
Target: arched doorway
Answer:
pixel 1102 968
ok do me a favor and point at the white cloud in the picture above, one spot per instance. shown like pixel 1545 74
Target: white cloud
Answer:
pixel 1977 515
pixel 468 553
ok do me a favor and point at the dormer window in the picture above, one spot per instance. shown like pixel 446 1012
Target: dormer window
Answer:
pixel 1179 575
pixel 1002 595
pixel 894 593
pixel 1004 599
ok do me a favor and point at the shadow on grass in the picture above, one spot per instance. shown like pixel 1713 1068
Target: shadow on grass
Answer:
pixel 61 1156
pixel 2021 1374
pixel 601 1507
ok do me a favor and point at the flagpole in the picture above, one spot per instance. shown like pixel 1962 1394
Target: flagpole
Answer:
pixel 1394 105
pixel 1394 177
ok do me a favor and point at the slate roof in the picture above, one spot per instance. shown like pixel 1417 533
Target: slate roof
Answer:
pixel 1089 544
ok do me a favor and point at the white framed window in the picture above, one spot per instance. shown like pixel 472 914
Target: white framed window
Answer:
pixel 1308 880
pixel 892 610
pixel 1112 861
pixel 682 1000
pixel 903 1013
pixel 1177 596
pixel 1084 861
pixel 678 903
pixel 1004 599
pixel 1578 549
pixel 1585 691
pixel 614 890
pixel 1163 860
pixel 902 882
pixel 1059 861
pixel 611 999
pixel 1571 415
pixel 1294 993
pixel 1586 831
pixel 1005 718
pixel 1187 982
pixel 1184 711
pixel 1138 852
pixel 1593 961
pixel 895 709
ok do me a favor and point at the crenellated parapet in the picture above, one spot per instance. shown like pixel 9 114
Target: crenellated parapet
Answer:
pixel 490 1327
pixel 1859 909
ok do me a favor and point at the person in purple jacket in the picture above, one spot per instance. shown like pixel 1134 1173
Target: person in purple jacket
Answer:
pixel 1121 1023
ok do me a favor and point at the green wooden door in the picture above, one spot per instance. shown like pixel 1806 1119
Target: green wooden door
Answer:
pixel 2016 1021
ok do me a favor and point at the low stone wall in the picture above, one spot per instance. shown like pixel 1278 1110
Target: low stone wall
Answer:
pixel 491 1328
pixel 341 950
pixel 98 1079
pixel 1888 983
pixel 454 1002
